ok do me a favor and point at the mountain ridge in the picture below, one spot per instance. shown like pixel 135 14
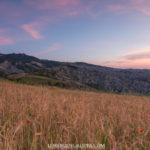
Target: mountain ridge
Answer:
pixel 75 74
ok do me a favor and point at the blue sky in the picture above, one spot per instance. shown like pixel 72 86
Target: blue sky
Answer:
pixel 104 32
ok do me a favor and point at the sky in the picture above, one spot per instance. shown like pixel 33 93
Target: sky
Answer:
pixel 114 33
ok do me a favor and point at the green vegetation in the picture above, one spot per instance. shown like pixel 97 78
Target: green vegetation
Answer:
pixel 35 80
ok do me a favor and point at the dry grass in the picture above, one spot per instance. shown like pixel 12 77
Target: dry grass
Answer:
pixel 31 117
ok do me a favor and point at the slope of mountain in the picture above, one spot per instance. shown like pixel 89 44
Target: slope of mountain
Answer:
pixel 19 63
pixel 74 75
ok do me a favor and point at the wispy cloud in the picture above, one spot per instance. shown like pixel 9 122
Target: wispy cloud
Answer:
pixel 138 1
pixel 115 7
pixel 31 29
pixel 4 40
pixel 139 64
pixel 53 47
pixel 141 6
pixel 145 10
pixel 139 58
pixel 48 4
pixel 137 51
pixel 64 8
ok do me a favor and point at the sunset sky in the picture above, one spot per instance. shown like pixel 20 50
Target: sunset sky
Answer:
pixel 112 33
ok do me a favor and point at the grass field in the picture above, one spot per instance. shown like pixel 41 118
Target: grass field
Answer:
pixel 31 117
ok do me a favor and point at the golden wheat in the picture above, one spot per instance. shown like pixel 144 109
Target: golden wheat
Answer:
pixel 31 117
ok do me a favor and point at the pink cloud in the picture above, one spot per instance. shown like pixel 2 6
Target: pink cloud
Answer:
pixel 53 47
pixel 134 63
pixel 73 13
pixel 138 1
pixel 62 8
pixel 65 2
pixel 141 6
pixel 65 8
pixel 135 52
pixel 115 7
pixel 139 58
pixel 30 28
pixel 12 12
pixel 5 41
pixel 143 9
pixel 47 4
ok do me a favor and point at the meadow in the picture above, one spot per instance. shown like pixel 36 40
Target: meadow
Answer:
pixel 31 117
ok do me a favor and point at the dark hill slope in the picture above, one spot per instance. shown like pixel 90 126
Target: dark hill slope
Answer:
pixel 77 74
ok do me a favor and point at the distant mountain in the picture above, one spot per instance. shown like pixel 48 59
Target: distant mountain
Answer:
pixel 19 63
pixel 29 69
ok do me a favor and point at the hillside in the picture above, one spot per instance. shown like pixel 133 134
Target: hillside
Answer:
pixel 76 75
pixel 31 117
